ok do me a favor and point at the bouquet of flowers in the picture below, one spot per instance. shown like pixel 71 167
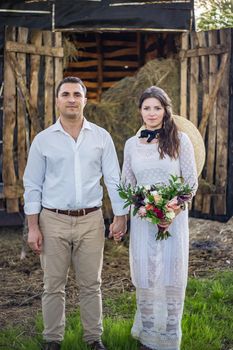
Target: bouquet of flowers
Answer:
pixel 157 203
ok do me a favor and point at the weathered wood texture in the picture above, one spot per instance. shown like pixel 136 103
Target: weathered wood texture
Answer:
pixel 30 58
pixel 205 62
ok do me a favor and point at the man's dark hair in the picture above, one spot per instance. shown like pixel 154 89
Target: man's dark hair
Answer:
pixel 74 80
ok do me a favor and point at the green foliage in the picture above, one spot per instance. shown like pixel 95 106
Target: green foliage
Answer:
pixel 216 14
pixel 207 321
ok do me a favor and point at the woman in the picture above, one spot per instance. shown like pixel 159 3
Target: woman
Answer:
pixel 159 268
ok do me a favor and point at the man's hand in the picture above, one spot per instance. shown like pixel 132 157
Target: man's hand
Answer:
pixel 35 237
pixel 118 228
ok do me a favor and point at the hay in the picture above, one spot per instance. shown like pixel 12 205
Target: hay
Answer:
pixel 118 111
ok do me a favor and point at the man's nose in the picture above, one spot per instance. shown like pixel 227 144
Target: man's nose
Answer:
pixel 72 98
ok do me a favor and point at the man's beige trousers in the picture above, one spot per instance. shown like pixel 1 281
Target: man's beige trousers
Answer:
pixel 77 240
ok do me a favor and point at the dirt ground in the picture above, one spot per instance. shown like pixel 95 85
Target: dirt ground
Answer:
pixel 21 285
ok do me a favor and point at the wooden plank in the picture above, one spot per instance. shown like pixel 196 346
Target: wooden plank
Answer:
pixel 114 63
pixel 93 75
pixel 203 51
pixel 121 52
pixel 32 111
pixel 140 48
pixel 83 44
pixel 9 122
pixel 91 63
pixel 119 74
pixel 108 84
pixel 211 148
pixel 118 43
pixel 85 54
pixel 36 40
pixel 222 132
pixel 58 62
pixel 183 77
pixel 110 63
pixel 202 42
pixel 94 84
pixel 194 74
pixel 21 109
pixel 48 82
pixel 13 46
pixel 91 84
pixel 99 66
pixel 209 101
pixel 81 74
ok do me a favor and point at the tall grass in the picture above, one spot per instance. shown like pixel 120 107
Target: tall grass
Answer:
pixel 207 322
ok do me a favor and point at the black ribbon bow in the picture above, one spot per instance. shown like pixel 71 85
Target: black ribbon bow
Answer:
pixel 151 134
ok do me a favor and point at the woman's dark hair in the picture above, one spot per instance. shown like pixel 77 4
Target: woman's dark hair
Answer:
pixel 169 142
pixel 74 80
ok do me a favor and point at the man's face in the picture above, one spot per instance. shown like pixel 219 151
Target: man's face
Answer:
pixel 71 101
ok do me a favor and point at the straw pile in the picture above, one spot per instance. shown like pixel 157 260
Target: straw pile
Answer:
pixel 118 112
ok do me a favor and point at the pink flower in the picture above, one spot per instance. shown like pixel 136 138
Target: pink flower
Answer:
pixel 142 211
pixel 173 204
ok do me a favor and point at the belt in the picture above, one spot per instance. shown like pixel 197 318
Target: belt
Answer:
pixel 78 212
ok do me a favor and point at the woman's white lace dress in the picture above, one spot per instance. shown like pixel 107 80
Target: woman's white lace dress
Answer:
pixel 158 268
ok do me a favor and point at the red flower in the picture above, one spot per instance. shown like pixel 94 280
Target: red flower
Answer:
pixel 158 213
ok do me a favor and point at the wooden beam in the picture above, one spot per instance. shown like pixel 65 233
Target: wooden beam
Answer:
pixel 212 131
pixel 9 122
pixel 21 108
pixel 203 51
pixel 12 46
pixel 221 169
pixel 58 64
pixel 193 85
pixel 36 40
pixel 32 111
pixel 202 41
pixel 99 66
pixel 209 105
pixel 121 52
pixel 114 63
pixel 48 82
pixel 81 74
pixel 183 77
pixel 86 64
pixel 118 43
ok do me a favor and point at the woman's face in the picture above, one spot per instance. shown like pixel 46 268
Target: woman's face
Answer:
pixel 152 113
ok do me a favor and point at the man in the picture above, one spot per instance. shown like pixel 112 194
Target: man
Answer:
pixel 63 197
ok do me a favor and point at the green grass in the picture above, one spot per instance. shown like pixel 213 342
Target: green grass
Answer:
pixel 207 322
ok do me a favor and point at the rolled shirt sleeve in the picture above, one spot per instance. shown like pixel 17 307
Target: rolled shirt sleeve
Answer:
pixel 33 179
pixel 111 173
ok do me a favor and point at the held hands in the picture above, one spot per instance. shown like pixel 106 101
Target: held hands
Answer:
pixel 35 239
pixel 118 228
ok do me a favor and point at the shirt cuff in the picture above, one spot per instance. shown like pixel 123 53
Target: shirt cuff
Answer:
pixel 32 208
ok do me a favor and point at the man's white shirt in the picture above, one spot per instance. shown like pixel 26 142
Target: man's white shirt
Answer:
pixel 62 173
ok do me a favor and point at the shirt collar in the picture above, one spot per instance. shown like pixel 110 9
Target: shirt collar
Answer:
pixel 58 127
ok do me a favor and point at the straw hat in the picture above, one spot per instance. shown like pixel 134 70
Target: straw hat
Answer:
pixel 193 133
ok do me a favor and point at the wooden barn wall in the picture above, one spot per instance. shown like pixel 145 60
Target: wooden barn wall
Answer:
pixel 31 72
pixel 33 65
pixel 101 60
pixel 205 71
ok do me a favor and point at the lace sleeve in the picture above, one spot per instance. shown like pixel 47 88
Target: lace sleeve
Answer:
pixel 128 176
pixel 187 163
